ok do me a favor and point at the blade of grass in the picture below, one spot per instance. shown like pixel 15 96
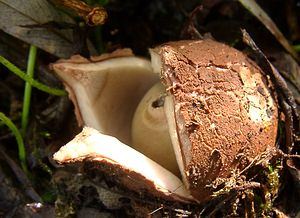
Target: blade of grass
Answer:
pixel 31 81
pixel 98 40
pixel 297 48
pixel 20 142
pixel 28 88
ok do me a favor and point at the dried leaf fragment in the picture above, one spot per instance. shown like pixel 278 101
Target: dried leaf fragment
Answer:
pixel 16 15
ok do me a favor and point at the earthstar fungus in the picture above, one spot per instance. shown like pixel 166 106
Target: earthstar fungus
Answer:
pixel 210 110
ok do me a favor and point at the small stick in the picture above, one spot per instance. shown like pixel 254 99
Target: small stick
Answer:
pixel 93 16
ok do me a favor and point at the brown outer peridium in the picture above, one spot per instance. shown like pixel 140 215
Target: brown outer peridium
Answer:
pixel 223 100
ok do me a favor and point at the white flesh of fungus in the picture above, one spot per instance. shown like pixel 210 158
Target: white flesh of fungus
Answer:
pixel 108 92
pixel 150 122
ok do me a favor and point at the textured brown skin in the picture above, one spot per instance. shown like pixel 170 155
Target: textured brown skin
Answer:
pixel 215 116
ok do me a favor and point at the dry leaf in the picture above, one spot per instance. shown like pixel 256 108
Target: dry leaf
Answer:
pixel 26 19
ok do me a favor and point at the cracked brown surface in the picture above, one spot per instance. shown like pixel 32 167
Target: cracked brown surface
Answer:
pixel 225 103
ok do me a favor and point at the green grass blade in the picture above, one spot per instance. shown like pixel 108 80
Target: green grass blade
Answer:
pixel 31 81
pixel 18 136
pixel 297 48
pixel 28 88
